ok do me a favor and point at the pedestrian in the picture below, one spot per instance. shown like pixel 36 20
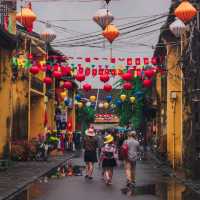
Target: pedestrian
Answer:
pixel 90 146
pixel 132 147
pixel 108 157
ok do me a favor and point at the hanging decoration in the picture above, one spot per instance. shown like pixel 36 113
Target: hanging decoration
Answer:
pixel 118 102
pixel 123 97
pixel 107 87
pixel 109 98
pixel 103 18
pixel 100 105
pixel 104 78
pixel 68 85
pixel 106 105
pixel 127 76
pixel 147 83
pixel 127 86
pixel 149 73
pixel 185 11
pixel 78 97
pixel 26 17
pixel 66 70
pixel 47 80
pixel 110 33
pixel 80 77
pixel 80 104
pixel 132 99
pixel 87 87
pixel 57 74
pixel 34 70
pixel 48 35
pixel 66 101
pixel 92 98
pixel 177 27
pixel 63 95
pixel 88 104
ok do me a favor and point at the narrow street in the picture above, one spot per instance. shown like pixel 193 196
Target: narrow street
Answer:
pixel 152 184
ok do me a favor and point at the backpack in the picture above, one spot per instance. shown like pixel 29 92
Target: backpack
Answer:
pixel 124 151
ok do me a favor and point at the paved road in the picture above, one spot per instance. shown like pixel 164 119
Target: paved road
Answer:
pixel 151 185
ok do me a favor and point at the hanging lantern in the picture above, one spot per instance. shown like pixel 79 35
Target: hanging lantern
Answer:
pixel 104 78
pixel 103 18
pixel 132 99
pixel 63 94
pixel 127 86
pixel 123 97
pixel 48 35
pixel 185 11
pixel 118 102
pixel 26 17
pixel 149 73
pixel 127 76
pixel 66 70
pixel 106 105
pixel 66 101
pixel 88 104
pixel 147 83
pixel 57 74
pixel 80 104
pixel 100 105
pixel 78 97
pixel 92 98
pixel 107 87
pixel 68 85
pixel 177 27
pixel 109 98
pixel 113 106
pixel 80 77
pixel 47 80
pixel 34 70
pixel 87 87
pixel 110 33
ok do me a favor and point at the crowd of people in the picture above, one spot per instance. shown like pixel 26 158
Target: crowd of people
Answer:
pixel 109 148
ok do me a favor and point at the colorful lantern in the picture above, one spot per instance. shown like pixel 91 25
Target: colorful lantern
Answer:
pixel 47 80
pixel 92 98
pixel 127 86
pixel 109 98
pixel 177 27
pixel 68 85
pixel 78 97
pixel 57 74
pixel 127 76
pixel 66 101
pixel 113 106
pixel 185 11
pixel 132 99
pixel 26 17
pixel 103 17
pixel 104 78
pixel 87 87
pixel 110 33
pixel 80 104
pixel 48 35
pixel 80 77
pixel 66 70
pixel 118 102
pixel 107 87
pixel 63 94
pixel 123 97
pixel 106 105
pixel 149 73
pixel 100 105
pixel 147 83
pixel 88 104
pixel 34 70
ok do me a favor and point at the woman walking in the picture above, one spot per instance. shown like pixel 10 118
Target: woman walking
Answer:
pixel 90 145
pixel 108 157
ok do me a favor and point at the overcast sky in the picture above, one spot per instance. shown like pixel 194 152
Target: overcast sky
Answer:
pixel 74 9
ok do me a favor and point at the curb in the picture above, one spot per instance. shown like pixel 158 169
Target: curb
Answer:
pixel 33 179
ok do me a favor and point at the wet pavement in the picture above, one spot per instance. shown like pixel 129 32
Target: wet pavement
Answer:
pixel 151 185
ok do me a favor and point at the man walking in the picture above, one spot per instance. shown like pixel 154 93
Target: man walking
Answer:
pixel 132 146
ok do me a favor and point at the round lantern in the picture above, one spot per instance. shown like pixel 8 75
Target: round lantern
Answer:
pixel 26 17
pixel 132 99
pixel 177 27
pixel 123 97
pixel 80 77
pixel 66 101
pixel 113 106
pixel 185 11
pixel 47 80
pixel 100 105
pixel 87 87
pixel 48 35
pixel 147 83
pixel 92 98
pixel 110 33
pixel 104 78
pixel 127 76
pixel 149 73
pixel 34 70
pixel 109 98
pixel 127 86
pixel 106 105
pixel 57 74
pixel 66 70
pixel 68 85
pixel 78 97
pixel 103 17
pixel 107 87
pixel 118 102
pixel 88 104
pixel 80 104
pixel 63 94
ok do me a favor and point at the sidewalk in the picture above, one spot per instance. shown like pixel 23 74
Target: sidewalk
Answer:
pixel 21 174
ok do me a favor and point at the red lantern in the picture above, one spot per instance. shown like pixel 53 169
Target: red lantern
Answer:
pixel 87 87
pixel 47 80
pixel 80 77
pixel 66 70
pixel 127 76
pixel 67 85
pixel 107 87
pixel 149 73
pixel 129 61
pixel 30 56
pixel 147 83
pixel 137 61
pixel 34 70
pixel 139 72
pixel 87 71
pixel 146 61
pixel 127 86
pixel 94 72
pixel 57 74
pixel 113 72
pixel 104 78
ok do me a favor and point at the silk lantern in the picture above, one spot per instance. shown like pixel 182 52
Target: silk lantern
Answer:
pixel 48 35
pixel 80 77
pixel 87 87
pixel 80 104
pixel 66 70
pixel 177 27
pixel 127 86
pixel 127 76
pixel 47 80
pixel 68 85
pixel 92 98
pixel 107 87
pixel 106 105
pixel 149 73
pixel 185 11
pixel 63 94
pixel 123 97
pixel 104 78
pixel 57 74
pixel 100 105
pixel 147 83
pixel 88 104
pixel 132 99
pixel 78 97
pixel 109 98
pixel 34 70
pixel 110 33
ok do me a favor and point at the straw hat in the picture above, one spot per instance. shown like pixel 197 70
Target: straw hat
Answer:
pixel 90 132
pixel 109 138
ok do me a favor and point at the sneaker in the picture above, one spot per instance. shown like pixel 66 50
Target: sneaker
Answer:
pixel 90 178
pixel 86 176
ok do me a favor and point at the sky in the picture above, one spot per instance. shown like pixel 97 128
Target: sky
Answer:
pixel 84 10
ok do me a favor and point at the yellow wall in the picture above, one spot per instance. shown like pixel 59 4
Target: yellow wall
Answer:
pixel 50 113
pixel 174 109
